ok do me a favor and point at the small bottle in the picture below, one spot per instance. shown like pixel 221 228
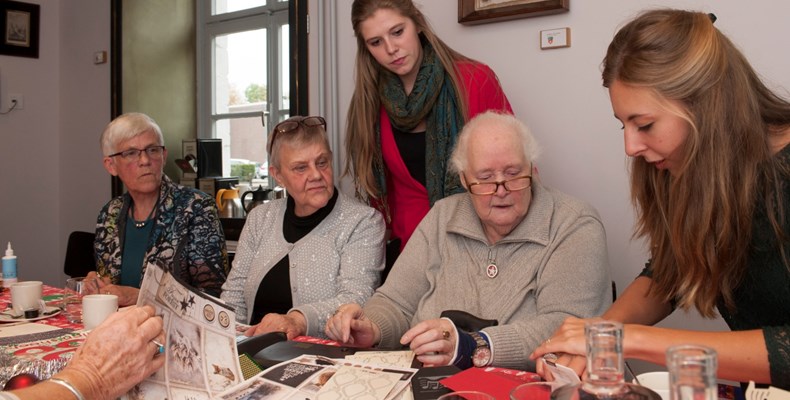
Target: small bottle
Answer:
pixel 605 368
pixel 9 267
pixel 692 373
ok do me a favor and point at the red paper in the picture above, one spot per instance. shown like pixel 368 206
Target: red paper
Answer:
pixel 497 382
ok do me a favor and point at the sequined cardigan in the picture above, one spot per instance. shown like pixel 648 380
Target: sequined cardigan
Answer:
pixel 187 237
pixel 338 262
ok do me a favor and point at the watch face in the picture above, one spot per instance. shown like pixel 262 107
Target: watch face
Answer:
pixel 481 357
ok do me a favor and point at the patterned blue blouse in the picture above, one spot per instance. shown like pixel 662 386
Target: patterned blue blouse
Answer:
pixel 187 238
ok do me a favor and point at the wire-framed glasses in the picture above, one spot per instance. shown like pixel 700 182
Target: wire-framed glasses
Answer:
pixel 293 124
pixel 510 185
pixel 134 154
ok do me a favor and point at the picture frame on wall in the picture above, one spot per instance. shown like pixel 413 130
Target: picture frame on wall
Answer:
pixel 19 27
pixel 473 12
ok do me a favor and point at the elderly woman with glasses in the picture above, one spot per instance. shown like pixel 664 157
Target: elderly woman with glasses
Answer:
pixel 301 257
pixel 519 256
pixel 156 220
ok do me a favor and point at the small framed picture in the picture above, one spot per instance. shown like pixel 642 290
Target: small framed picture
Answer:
pixel 473 12
pixel 19 25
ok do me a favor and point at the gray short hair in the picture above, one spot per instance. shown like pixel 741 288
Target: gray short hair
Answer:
pixel 125 127
pixel 459 159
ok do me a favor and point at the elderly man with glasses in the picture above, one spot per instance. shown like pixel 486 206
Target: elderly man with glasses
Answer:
pixel 515 254
pixel 156 220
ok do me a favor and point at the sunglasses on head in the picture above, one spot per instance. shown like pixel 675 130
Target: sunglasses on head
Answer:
pixel 293 124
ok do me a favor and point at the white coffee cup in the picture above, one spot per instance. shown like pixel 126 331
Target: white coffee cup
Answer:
pixel 97 307
pixel 26 295
pixel 655 381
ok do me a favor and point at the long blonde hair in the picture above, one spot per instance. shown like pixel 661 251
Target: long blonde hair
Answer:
pixel 363 112
pixel 699 222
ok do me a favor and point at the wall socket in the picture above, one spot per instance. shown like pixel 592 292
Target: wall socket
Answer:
pixel 20 101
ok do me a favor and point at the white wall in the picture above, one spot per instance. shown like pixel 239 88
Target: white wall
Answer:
pixel 51 179
pixel 558 93
pixel 52 182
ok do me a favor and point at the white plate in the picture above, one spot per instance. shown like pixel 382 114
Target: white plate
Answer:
pixel 5 316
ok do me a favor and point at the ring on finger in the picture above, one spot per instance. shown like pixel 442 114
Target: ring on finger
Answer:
pixel 445 335
pixel 160 348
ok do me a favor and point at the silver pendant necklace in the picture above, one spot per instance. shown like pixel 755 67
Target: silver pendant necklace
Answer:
pixel 491 270
pixel 142 224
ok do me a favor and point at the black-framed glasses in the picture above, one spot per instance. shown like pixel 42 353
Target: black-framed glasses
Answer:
pixel 293 124
pixel 510 185
pixel 134 154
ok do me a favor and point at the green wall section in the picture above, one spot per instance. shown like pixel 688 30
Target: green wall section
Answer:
pixel 158 61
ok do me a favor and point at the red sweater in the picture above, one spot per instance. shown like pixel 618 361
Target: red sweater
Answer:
pixel 408 199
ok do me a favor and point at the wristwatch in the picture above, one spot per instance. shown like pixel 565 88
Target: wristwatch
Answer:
pixel 481 356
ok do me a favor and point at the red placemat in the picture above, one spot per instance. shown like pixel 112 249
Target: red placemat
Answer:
pixel 51 296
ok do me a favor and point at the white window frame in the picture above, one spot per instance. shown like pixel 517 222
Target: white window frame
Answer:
pixel 270 16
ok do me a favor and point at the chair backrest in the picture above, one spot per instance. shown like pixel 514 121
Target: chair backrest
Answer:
pixel 79 254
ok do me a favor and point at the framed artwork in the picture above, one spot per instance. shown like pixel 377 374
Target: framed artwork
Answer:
pixel 473 12
pixel 19 27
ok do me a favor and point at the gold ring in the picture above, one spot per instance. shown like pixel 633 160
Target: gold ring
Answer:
pixel 446 335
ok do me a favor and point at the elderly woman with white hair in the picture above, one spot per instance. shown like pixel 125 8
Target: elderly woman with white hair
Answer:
pixel 510 250
pixel 156 220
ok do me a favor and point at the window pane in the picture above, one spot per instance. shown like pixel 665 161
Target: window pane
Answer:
pixel 285 72
pixel 226 6
pixel 244 146
pixel 240 71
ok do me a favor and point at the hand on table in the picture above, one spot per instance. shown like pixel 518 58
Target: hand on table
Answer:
pixel 117 354
pixel 568 343
pixel 127 295
pixel 293 324
pixel 432 341
pixel 349 326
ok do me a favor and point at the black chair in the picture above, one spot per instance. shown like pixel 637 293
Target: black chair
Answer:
pixel 391 254
pixel 79 254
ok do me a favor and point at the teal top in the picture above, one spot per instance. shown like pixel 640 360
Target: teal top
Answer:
pixel 134 253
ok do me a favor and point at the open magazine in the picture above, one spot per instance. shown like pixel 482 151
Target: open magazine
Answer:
pixel 200 349
pixel 313 377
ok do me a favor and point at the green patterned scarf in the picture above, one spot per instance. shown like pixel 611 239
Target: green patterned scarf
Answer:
pixel 432 99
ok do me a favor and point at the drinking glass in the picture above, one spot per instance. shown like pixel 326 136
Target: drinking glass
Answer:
pixel 532 391
pixel 692 372
pixel 71 303
pixel 466 395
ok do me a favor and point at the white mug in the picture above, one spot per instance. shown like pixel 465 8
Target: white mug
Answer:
pixel 97 307
pixel 26 296
pixel 655 381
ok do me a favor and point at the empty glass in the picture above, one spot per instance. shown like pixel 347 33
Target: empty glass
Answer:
pixel 71 302
pixel 532 391
pixel 692 372
pixel 466 395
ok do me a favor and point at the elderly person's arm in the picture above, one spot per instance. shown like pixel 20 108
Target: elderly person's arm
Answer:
pixel 115 356
pixel 388 313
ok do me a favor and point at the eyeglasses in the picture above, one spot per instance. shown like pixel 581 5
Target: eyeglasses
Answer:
pixel 510 185
pixel 293 124
pixel 134 154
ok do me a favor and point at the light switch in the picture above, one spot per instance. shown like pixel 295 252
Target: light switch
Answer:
pixel 555 38
pixel 100 57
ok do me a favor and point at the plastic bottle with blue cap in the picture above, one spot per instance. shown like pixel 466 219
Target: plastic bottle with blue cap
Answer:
pixel 9 267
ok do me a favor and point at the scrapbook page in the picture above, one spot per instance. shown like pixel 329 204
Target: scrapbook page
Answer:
pixel 319 378
pixel 200 349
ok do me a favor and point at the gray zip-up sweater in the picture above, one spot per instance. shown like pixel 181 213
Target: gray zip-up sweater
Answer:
pixel 553 265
